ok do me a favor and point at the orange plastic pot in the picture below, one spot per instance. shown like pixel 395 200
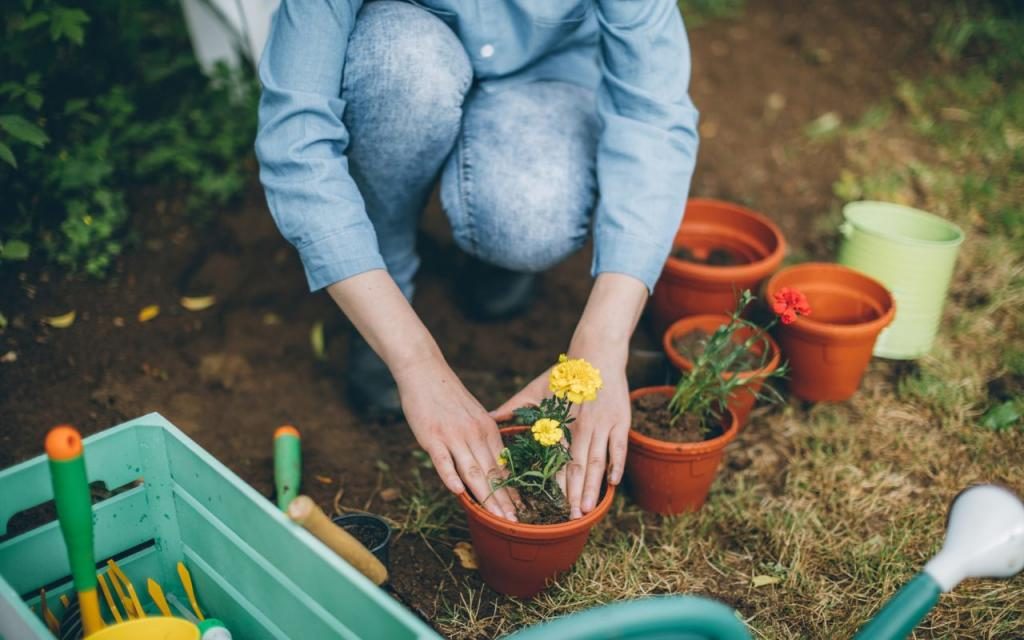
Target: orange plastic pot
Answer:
pixel 688 288
pixel 829 350
pixel 520 560
pixel 743 399
pixel 673 477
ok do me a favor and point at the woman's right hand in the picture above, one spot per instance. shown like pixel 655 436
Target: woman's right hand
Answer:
pixel 455 430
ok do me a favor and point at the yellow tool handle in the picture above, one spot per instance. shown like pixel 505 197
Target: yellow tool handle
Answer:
pixel 305 512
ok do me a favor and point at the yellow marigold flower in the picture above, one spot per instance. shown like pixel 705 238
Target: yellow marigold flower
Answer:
pixel 546 431
pixel 503 458
pixel 575 379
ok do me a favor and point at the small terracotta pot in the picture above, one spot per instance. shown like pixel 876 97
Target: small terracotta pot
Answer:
pixel 742 400
pixel 829 350
pixel 521 559
pixel 687 288
pixel 673 477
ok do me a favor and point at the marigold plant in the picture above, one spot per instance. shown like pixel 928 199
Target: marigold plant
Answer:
pixel 536 455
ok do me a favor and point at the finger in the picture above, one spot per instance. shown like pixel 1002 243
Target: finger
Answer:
pixel 475 477
pixel 560 479
pixel 618 447
pixel 489 462
pixel 597 457
pixel 575 471
pixel 445 467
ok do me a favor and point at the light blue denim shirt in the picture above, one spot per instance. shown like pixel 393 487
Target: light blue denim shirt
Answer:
pixel 635 52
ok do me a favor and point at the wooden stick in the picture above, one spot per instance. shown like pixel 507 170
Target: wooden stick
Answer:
pixel 305 512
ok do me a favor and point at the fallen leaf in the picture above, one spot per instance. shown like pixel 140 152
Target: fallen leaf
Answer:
pixel 467 558
pixel 823 126
pixel 316 340
pixel 10 356
pixel 198 303
pixel 62 321
pixel 148 313
pixel 324 480
pixel 764 581
pixel 390 494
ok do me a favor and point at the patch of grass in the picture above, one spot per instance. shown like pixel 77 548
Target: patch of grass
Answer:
pixel 697 12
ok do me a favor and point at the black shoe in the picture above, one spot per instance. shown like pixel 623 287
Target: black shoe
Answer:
pixel 491 293
pixel 371 388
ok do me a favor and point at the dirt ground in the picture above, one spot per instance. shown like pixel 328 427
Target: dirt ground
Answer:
pixel 230 374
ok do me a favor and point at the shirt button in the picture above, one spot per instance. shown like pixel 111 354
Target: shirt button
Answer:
pixel 487 51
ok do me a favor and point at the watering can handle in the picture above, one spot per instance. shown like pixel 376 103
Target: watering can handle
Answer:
pixel 904 610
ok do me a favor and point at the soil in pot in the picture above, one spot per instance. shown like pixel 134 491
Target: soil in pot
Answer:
pixel 651 417
pixel 715 257
pixel 371 536
pixel 691 345
pixel 538 507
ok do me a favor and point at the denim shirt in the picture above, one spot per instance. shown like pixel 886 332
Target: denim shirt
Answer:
pixel 635 54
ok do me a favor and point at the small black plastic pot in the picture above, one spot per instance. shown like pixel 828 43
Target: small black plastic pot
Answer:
pixel 373 531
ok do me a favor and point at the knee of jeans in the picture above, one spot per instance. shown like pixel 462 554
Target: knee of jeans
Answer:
pixel 402 55
pixel 528 230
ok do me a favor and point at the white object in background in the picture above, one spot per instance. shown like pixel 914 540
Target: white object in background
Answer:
pixel 984 538
pixel 229 31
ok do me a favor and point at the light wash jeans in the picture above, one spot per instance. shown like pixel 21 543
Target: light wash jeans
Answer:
pixel 517 166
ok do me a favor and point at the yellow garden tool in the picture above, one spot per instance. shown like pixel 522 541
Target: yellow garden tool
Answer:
pixel 127 584
pixel 110 600
pixel 186 582
pixel 157 594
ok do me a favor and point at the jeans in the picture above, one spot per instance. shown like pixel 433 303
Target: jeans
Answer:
pixel 517 166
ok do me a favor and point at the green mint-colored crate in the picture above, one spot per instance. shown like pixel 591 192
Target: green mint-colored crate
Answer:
pixel 251 567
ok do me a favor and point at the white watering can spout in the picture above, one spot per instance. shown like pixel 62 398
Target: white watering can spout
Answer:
pixel 984 538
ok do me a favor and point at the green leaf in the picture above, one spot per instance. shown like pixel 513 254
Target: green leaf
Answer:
pixel 23 130
pixel 68 24
pixel 7 156
pixel 1001 417
pixel 33 21
pixel 14 250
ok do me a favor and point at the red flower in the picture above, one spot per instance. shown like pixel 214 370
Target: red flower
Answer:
pixel 790 303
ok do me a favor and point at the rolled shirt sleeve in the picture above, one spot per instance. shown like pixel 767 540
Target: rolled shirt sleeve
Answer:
pixel 301 141
pixel 648 146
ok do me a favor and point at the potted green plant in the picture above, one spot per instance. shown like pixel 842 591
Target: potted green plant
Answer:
pixel 720 250
pixel 521 558
pixel 747 352
pixel 679 434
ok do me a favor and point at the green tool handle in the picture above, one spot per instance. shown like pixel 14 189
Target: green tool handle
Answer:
pixel 74 510
pixel 287 468
pixel 904 610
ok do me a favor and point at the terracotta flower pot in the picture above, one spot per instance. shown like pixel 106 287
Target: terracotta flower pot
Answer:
pixel 742 400
pixel 688 288
pixel 521 559
pixel 673 477
pixel 829 350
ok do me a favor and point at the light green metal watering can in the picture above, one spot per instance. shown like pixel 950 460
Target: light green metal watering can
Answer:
pixel 984 539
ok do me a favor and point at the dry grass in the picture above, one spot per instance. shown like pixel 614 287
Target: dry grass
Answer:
pixel 844 503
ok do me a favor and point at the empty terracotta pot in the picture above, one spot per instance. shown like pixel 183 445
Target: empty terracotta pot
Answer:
pixel 752 243
pixel 522 559
pixel 829 350
pixel 673 477
pixel 743 399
